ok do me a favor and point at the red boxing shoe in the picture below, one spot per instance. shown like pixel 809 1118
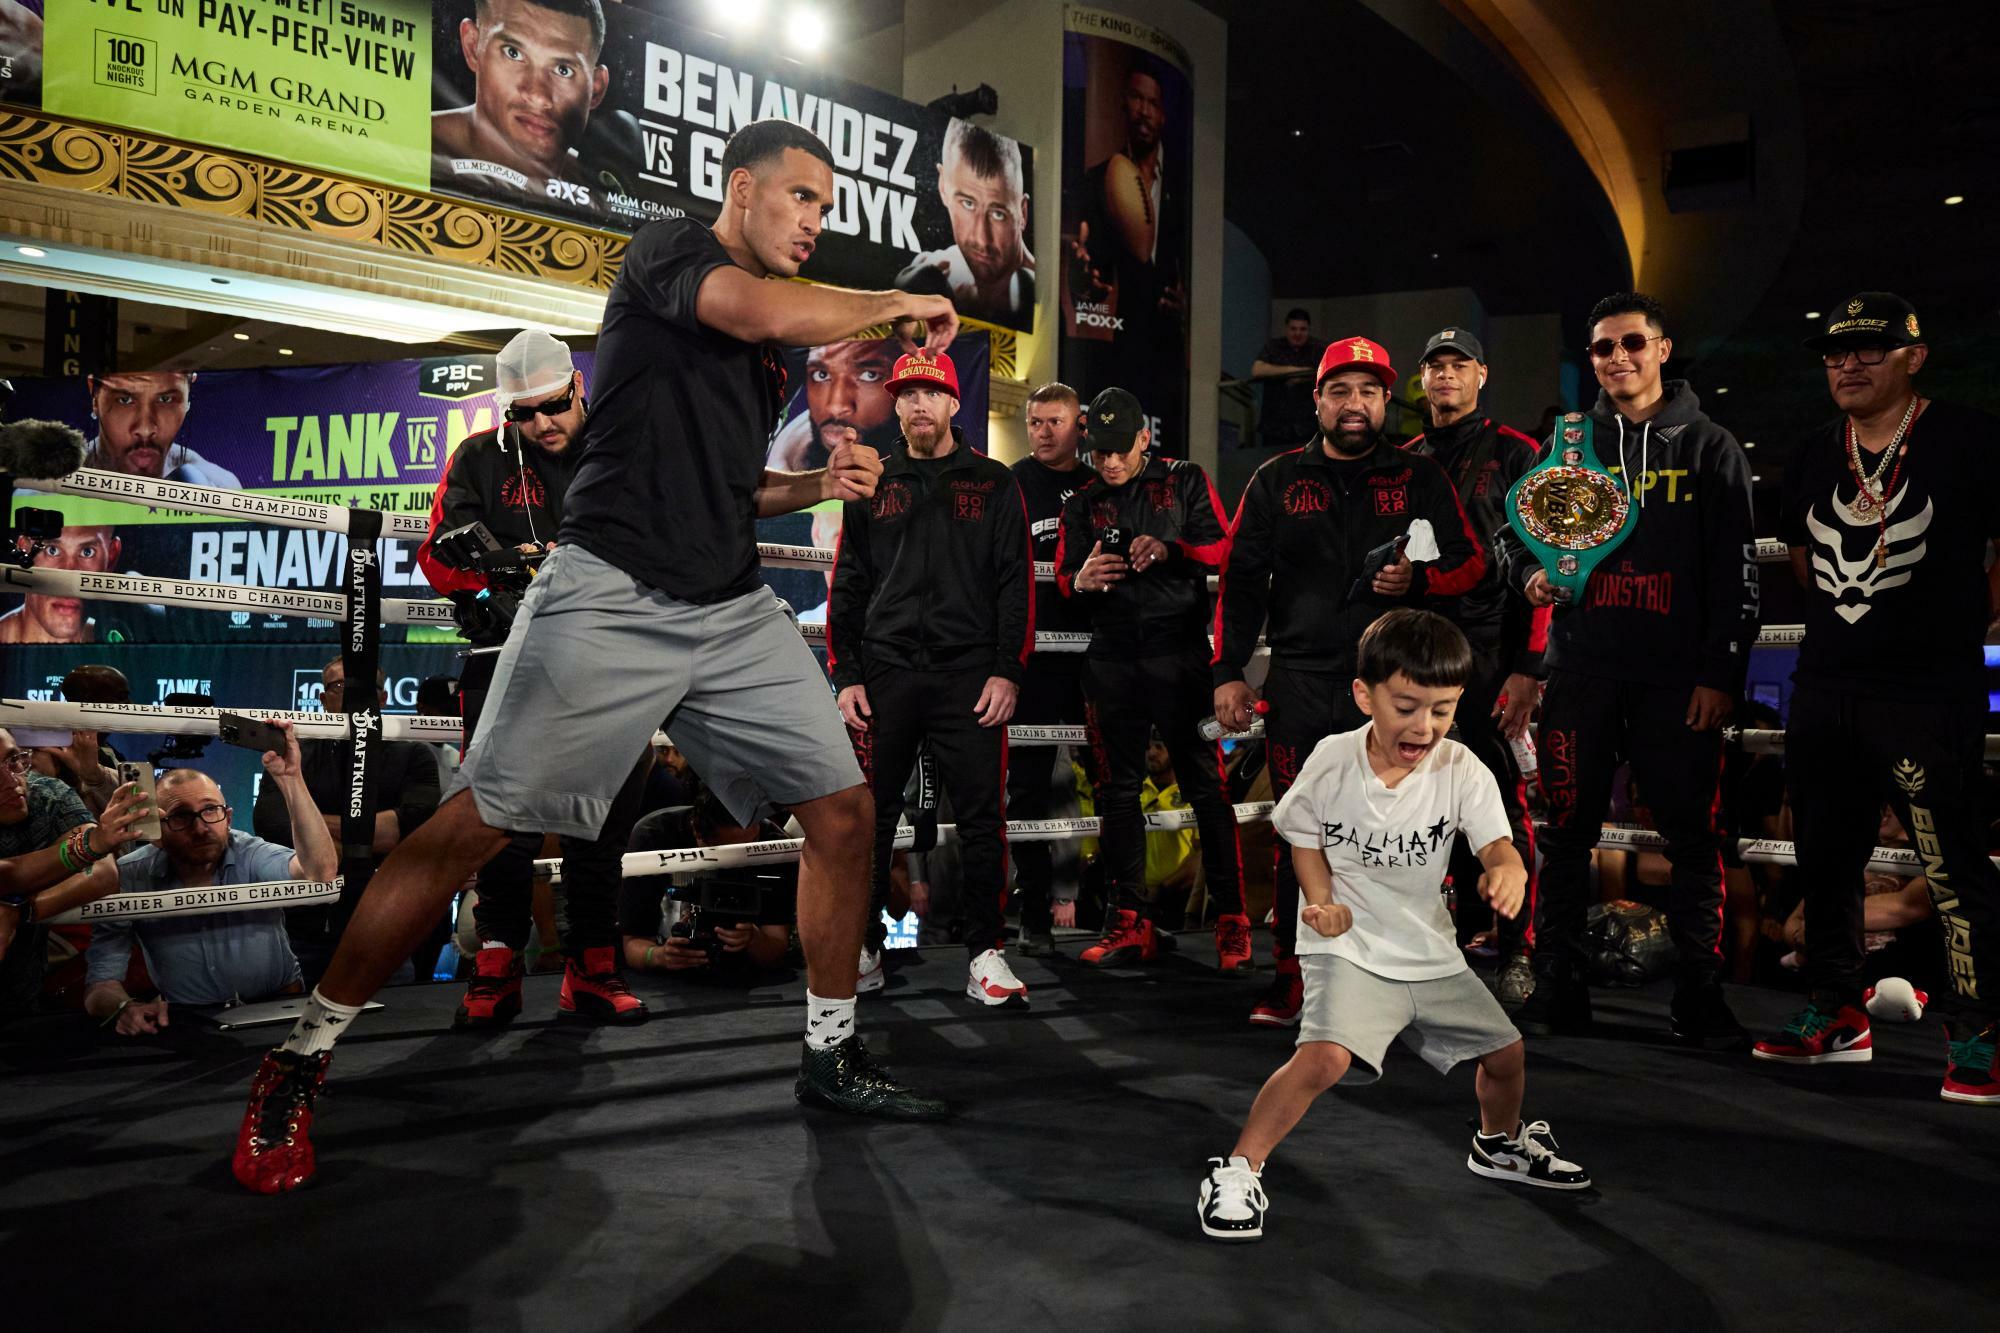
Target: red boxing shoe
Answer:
pixel 274 1149
pixel 493 995
pixel 1232 946
pixel 593 991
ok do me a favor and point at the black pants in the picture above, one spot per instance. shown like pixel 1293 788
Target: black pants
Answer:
pixel 1306 708
pixel 1846 755
pixel 1128 700
pixel 912 709
pixel 1589 726
pixel 591 867
pixel 1051 695
pixel 1479 731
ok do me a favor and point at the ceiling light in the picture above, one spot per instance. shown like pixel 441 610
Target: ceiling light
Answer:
pixel 284 351
pixel 241 337
pixel 807 29
pixel 1298 134
pixel 1951 199
pixel 33 251
pixel 1756 476
pixel 1749 444
pixel 1812 314
pixel 1722 390
pixel 736 13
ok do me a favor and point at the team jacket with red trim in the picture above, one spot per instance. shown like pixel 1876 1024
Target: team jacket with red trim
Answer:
pixel 1165 609
pixel 1484 459
pixel 516 493
pixel 933 572
pixel 1303 533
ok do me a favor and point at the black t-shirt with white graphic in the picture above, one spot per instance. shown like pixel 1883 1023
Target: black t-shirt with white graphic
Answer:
pixel 1914 621
pixel 680 420
pixel 1045 491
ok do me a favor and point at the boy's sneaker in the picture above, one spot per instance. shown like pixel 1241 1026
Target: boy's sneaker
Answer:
pixel 593 991
pixel 1514 982
pixel 1821 1034
pixel 1701 1017
pixel 1970 1074
pixel 1128 938
pixel 990 981
pixel 1283 998
pixel 1528 1158
pixel 843 1077
pixel 493 993
pixel 1232 1200
pixel 869 977
pixel 1232 946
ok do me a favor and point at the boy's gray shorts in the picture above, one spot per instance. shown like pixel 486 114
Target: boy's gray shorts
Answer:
pixel 1444 1020
pixel 597 661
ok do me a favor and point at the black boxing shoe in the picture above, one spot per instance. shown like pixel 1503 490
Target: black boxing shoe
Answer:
pixel 844 1077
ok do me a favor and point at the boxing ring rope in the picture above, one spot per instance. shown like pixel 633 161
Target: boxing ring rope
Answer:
pixel 212 901
pixel 94 484
pixel 160 719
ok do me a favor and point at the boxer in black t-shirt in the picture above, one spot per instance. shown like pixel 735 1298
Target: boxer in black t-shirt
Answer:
pixel 1890 512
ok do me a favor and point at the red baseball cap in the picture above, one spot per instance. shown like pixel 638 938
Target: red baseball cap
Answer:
pixel 1356 354
pixel 933 369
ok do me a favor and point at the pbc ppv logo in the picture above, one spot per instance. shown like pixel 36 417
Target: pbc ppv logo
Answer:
pixel 455 377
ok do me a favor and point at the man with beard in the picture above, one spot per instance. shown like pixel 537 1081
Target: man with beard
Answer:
pixel 139 417
pixel 932 620
pixel 1052 687
pixel 1483 460
pixel 1305 530
pixel 49 618
pixel 207 960
pixel 1889 513
pixel 1645 668
pixel 536 80
pixel 987 271
pixel 844 403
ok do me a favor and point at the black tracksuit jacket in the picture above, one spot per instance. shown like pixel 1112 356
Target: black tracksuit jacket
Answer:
pixel 933 572
pixel 1165 609
pixel 1302 535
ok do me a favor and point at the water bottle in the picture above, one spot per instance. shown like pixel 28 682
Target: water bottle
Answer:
pixel 1524 752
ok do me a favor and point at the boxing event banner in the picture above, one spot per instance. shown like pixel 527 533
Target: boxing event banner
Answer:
pixel 1128 151
pixel 377 436
pixel 613 121
pixel 332 84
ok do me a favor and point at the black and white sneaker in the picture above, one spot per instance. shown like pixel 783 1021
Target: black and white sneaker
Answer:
pixel 1232 1200
pixel 1529 1158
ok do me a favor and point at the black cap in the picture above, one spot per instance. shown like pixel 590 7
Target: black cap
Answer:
pixel 1112 421
pixel 1454 340
pixel 1881 319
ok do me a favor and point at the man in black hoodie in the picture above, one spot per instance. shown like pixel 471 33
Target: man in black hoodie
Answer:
pixel 930 621
pixel 1645 668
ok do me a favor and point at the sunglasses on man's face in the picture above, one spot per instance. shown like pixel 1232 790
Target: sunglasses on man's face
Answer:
pixel 1867 356
pixel 523 413
pixel 1633 343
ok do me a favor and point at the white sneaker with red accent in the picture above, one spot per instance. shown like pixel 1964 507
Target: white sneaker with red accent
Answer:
pixel 990 981
pixel 868 974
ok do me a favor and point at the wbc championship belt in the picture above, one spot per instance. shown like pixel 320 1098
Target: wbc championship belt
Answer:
pixel 1568 510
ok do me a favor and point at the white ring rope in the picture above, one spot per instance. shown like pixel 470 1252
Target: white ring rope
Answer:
pixel 277 509
pixel 211 901
pixel 162 720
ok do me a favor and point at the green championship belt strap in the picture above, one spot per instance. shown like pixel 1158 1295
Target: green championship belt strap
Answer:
pixel 1569 510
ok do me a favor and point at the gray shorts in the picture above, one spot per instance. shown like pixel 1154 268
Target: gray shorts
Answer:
pixel 1445 1021
pixel 597 661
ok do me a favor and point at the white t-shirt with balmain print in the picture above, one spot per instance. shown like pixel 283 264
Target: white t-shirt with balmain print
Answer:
pixel 1390 849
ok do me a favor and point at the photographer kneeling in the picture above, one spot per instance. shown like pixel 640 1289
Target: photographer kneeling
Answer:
pixel 729 923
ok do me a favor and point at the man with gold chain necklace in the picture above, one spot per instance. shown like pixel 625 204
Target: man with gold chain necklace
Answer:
pixel 1889 514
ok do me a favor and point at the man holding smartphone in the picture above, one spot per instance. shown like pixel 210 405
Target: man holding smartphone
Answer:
pixel 1137 551
pixel 1315 552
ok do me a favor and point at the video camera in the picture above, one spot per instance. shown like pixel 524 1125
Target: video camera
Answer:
pixel 715 898
pixel 474 548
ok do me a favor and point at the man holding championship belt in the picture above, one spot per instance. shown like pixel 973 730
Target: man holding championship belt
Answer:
pixel 1648 556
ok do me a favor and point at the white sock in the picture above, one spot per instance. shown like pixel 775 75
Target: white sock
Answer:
pixel 828 1022
pixel 320 1025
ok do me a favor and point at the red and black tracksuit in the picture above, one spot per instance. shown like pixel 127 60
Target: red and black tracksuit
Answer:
pixel 1051 687
pixel 933 595
pixel 1303 531
pixel 517 491
pixel 1673 608
pixel 1484 460
pixel 1147 667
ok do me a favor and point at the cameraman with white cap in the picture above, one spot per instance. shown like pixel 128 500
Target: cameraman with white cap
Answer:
pixel 513 479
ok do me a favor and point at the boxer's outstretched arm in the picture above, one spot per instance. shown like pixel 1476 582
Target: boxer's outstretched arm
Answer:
pixel 798 314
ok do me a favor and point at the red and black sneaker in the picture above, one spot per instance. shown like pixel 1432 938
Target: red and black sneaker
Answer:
pixel 1232 946
pixel 1127 938
pixel 1280 1005
pixel 1972 1069
pixel 1821 1035
pixel 592 990
pixel 274 1149
pixel 493 995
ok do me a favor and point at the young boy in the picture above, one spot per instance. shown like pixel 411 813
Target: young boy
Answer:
pixel 1370 822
